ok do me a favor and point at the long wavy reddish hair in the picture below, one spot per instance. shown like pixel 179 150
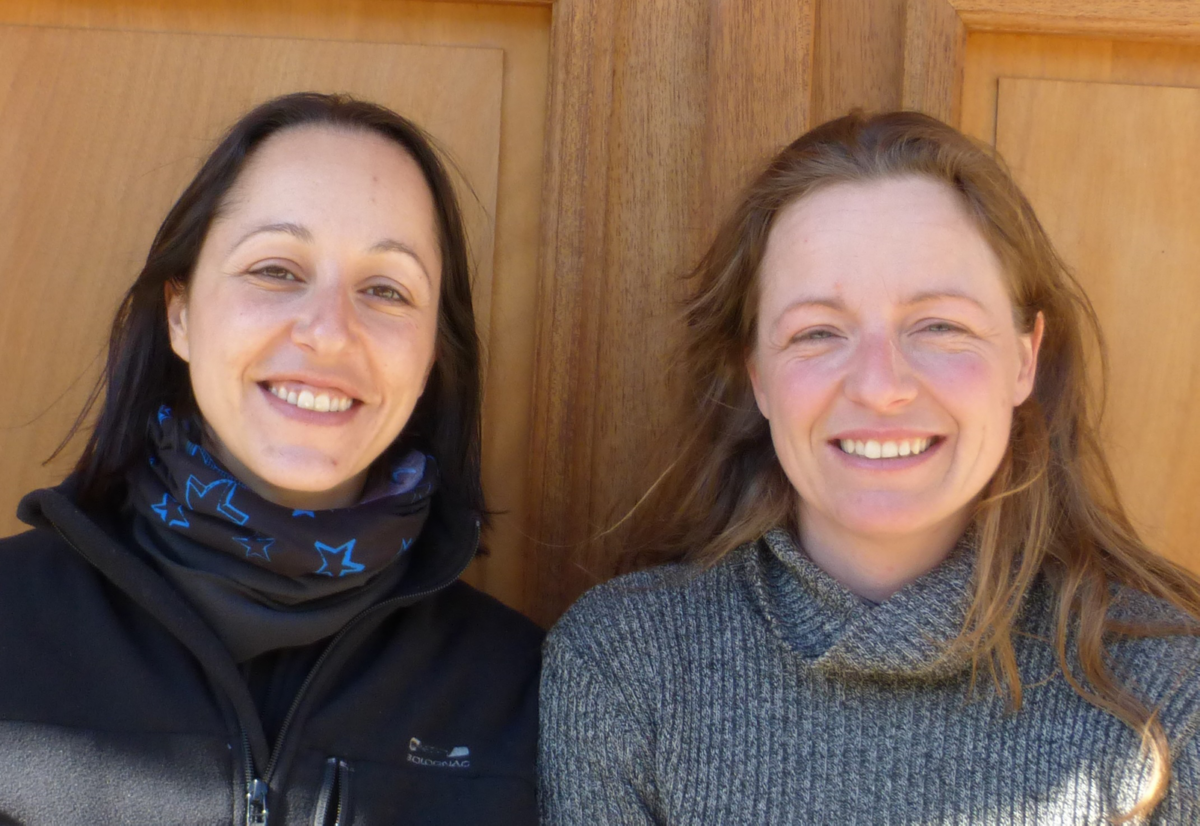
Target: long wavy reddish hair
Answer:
pixel 1052 506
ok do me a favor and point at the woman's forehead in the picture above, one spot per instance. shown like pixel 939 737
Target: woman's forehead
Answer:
pixel 898 239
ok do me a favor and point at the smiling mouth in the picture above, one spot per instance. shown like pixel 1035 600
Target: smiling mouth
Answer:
pixel 872 449
pixel 321 401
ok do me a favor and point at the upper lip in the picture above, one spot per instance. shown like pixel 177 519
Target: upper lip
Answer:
pixel 889 435
pixel 316 380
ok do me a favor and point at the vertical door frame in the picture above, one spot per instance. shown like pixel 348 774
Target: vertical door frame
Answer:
pixel 756 89
pixel 935 36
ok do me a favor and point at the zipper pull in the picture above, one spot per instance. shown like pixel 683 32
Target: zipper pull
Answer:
pixel 256 803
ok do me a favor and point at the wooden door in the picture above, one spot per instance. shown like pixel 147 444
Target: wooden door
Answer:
pixel 1095 106
pixel 108 107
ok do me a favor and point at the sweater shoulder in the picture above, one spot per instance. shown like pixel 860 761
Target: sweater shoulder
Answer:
pixel 637 609
pixel 1166 666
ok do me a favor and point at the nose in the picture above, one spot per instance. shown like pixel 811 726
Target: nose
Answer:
pixel 325 323
pixel 880 376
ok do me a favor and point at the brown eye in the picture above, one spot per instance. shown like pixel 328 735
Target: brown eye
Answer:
pixel 278 273
pixel 387 294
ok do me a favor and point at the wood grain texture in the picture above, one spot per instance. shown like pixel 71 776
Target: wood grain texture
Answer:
pixel 498 2
pixel 522 34
pixel 644 146
pixel 1128 19
pixel 583 40
pixel 992 56
pixel 934 46
pixel 858 56
pixel 936 33
pixel 1112 171
pixel 760 93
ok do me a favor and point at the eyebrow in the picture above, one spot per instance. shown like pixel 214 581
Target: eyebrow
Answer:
pixel 392 245
pixel 939 295
pixel 920 298
pixel 295 230
pixel 303 233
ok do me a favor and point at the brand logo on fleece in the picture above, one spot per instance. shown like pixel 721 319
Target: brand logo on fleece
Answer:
pixel 423 754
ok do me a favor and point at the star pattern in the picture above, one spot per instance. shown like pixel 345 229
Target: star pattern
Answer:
pixel 256 546
pixel 330 557
pixel 164 508
pixel 199 491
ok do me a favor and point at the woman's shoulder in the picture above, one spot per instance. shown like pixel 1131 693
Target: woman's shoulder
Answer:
pixel 38 556
pixel 465 611
pixel 1160 659
pixel 646 608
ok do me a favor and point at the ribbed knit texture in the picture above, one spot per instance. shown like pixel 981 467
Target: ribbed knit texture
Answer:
pixel 762 692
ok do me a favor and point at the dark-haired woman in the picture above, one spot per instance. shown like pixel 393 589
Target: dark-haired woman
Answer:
pixel 903 589
pixel 242 607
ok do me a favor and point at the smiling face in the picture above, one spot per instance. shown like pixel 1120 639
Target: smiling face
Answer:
pixel 887 359
pixel 310 318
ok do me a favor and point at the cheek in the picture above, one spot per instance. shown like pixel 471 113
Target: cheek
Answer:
pixel 798 392
pixel 403 352
pixel 973 389
pixel 226 333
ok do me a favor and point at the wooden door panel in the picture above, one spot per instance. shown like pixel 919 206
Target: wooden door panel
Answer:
pixel 989 57
pixel 1112 171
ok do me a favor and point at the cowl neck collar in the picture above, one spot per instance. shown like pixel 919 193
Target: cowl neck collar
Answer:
pixel 839 634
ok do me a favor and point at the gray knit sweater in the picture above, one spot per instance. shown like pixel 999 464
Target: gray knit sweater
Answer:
pixel 762 692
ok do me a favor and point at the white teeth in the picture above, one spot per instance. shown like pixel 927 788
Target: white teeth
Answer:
pixel 872 449
pixel 307 400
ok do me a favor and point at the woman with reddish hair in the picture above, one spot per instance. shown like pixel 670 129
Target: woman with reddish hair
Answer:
pixel 900 586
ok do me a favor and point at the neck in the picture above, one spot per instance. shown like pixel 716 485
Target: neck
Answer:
pixel 876 566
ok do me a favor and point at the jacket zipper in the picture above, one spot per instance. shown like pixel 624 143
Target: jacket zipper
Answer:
pixel 256 792
pixel 335 786
pixel 257 812
pixel 344 802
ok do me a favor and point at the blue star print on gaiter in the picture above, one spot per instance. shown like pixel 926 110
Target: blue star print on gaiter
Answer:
pixel 178 519
pixel 188 491
pixel 330 556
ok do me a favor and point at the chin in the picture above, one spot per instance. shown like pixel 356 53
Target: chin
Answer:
pixel 883 516
pixel 307 473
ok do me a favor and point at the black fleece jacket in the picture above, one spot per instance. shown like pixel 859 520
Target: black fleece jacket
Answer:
pixel 118 704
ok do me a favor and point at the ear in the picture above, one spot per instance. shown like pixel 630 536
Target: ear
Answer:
pixel 1029 344
pixel 760 398
pixel 177 318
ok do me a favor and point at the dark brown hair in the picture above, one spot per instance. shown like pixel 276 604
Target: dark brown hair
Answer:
pixel 1051 507
pixel 142 372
